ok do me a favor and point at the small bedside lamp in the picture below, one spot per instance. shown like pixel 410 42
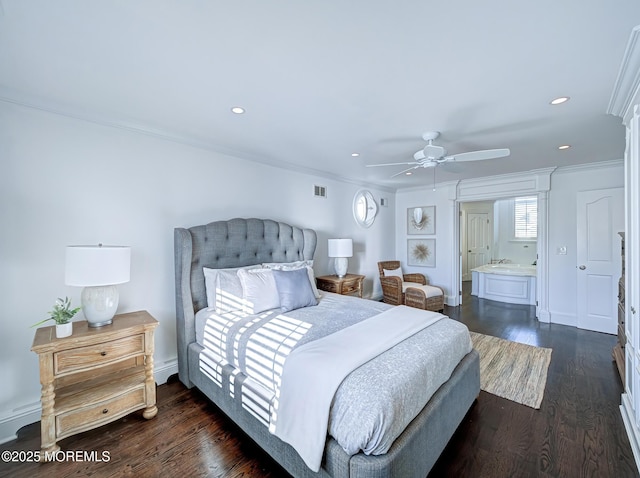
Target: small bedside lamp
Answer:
pixel 98 269
pixel 340 249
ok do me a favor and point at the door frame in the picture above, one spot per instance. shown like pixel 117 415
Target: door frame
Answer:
pixel 535 183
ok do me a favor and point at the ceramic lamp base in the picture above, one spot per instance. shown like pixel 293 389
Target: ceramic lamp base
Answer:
pixel 99 304
pixel 340 264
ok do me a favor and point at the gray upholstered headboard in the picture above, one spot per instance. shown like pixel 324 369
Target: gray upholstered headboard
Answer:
pixel 223 244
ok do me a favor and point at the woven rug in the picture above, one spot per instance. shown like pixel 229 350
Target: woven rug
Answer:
pixel 511 370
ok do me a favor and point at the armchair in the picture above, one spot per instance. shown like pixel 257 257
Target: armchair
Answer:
pixel 412 289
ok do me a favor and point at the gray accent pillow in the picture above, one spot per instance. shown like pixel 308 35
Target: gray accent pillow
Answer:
pixel 294 289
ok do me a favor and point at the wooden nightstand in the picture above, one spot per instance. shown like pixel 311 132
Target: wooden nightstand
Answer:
pixel 347 285
pixel 95 376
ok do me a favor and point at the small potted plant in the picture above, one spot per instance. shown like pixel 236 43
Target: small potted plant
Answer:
pixel 61 314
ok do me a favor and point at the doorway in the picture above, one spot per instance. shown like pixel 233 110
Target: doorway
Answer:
pixel 500 231
pixel 476 235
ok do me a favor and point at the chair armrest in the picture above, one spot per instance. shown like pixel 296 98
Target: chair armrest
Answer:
pixel 391 290
pixel 395 282
pixel 415 277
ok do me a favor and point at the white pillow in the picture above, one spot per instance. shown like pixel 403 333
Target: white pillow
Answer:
pixel 393 272
pixel 294 265
pixel 228 292
pixel 259 291
pixel 211 284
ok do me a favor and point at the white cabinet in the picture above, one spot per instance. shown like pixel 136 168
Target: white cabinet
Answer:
pixel 625 103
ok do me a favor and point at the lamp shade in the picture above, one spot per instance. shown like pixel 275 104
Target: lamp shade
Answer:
pixel 340 247
pixel 88 266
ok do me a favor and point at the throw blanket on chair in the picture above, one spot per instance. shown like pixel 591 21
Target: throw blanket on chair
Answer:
pixel 313 372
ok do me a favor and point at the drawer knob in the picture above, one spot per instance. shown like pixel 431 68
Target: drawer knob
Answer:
pixel 104 354
pixel 105 411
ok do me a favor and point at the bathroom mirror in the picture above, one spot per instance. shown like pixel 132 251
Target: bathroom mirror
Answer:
pixel 364 208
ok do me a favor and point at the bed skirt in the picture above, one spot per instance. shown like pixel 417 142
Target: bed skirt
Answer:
pixel 413 453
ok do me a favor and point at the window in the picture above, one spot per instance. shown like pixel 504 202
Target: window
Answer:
pixel 364 208
pixel 526 217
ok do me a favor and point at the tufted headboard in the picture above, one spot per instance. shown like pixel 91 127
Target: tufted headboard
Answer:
pixel 224 244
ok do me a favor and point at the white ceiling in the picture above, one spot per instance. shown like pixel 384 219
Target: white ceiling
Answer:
pixel 322 79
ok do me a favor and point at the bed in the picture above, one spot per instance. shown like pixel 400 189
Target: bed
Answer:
pixel 239 243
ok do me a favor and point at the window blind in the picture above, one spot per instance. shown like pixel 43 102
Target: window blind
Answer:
pixel 526 217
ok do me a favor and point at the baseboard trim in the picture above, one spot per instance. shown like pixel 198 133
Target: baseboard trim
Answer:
pixel 544 315
pixel 30 413
pixel 10 425
pixel 563 319
pixel 168 368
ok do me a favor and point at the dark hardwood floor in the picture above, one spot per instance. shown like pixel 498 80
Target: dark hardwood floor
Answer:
pixel 577 432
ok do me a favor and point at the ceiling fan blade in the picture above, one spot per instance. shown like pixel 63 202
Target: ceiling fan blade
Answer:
pixel 479 155
pixel 405 171
pixel 389 164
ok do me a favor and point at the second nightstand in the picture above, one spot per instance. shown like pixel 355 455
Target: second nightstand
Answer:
pixel 347 285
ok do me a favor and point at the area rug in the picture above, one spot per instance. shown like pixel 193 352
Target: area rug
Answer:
pixel 511 370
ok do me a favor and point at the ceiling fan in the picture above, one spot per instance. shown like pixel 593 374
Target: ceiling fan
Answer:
pixel 432 155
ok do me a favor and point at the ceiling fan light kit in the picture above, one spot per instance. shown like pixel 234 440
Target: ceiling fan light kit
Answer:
pixel 432 155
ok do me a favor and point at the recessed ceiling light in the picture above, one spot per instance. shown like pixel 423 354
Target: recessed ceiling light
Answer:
pixel 409 173
pixel 560 100
pixel 355 155
pixel 564 146
pixel 237 110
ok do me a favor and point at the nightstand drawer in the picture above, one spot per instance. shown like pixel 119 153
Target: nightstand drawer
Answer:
pixel 96 414
pixel 99 354
pixel 349 287
pixel 329 287
pixel 341 285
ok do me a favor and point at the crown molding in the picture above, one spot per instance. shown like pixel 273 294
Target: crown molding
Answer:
pixel 48 107
pixel 589 166
pixel 626 89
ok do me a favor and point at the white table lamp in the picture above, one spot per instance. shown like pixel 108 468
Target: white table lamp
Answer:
pixel 98 269
pixel 341 249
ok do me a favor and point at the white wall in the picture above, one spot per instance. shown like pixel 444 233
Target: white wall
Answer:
pixel 67 181
pixel 565 185
pixel 439 275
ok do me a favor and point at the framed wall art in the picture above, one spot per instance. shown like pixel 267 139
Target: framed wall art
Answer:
pixel 421 220
pixel 421 252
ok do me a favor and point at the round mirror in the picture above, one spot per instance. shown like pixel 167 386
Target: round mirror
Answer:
pixel 364 208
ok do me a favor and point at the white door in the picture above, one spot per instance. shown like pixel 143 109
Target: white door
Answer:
pixel 600 216
pixel 478 248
